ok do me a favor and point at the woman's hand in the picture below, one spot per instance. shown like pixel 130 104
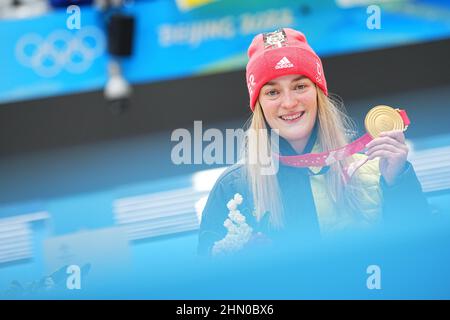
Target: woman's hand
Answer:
pixel 390 146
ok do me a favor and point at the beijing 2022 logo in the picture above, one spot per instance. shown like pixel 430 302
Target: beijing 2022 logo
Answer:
pixel 60 50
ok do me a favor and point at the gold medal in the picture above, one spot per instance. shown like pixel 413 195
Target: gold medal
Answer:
pixel 378 119
pixel 383 118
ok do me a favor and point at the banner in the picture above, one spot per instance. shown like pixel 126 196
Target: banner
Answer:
pixel 42 56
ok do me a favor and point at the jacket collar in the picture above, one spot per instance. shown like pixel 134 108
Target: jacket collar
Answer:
pixel 312 146
pixel 286 149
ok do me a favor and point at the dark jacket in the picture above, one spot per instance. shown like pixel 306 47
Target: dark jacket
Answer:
pixel 307 209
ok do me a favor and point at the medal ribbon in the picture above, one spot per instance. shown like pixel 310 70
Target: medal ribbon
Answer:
pixel 329 157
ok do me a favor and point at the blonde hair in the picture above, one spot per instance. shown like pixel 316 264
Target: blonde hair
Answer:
pixel 334 131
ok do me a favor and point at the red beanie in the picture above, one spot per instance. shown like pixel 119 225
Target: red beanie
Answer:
pixel 281 53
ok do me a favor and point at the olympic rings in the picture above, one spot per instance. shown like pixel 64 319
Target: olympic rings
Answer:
pixel 60 50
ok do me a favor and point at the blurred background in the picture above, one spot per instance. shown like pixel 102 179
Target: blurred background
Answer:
pixel 91 91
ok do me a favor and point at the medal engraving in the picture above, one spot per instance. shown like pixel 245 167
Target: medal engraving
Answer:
pixel 382 118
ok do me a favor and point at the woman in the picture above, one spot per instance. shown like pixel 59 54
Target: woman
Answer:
pixel 288 93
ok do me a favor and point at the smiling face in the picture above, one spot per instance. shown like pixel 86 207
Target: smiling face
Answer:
pixel 289 104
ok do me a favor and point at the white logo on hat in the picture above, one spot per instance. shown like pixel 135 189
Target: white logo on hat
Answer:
pixel 284 63
pixel 319 72
pixel 251 83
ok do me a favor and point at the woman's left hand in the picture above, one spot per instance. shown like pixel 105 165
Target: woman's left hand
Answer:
pixel 390 146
